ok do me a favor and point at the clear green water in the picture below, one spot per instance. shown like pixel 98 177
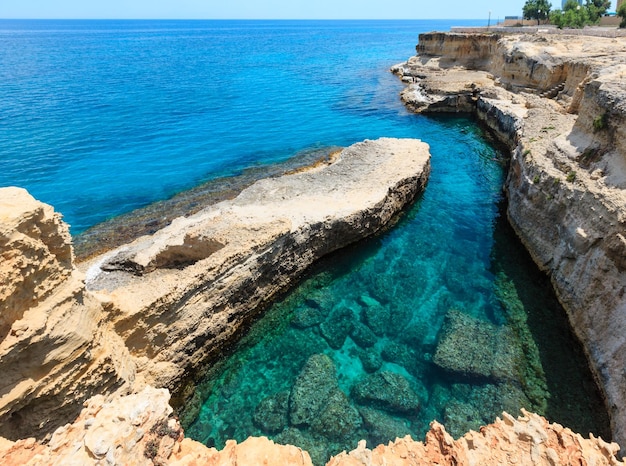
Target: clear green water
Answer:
pixel 442 317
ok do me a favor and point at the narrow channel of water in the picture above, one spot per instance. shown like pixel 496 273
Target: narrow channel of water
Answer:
pixel 442 317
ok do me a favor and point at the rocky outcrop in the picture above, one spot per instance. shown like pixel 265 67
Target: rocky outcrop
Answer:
pixel 140 430
pixel 529 439
pixel 559 104
pixel 56 349
pixel 157 311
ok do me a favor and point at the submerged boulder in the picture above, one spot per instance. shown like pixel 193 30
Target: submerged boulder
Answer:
pixel 386 390
pixel 272 413
pixel 307 317
pixel 313 386
pixel 382 428
pixel 370 359
pixel 338 418
pixel 336 328
pixel 472 347
pixel 362 335
pixel 375 315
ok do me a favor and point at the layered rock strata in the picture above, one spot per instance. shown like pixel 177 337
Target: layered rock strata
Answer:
pixel 139 429
pixel 559 104
pixel 160 309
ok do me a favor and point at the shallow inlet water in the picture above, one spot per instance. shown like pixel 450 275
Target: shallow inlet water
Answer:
pixel 442 317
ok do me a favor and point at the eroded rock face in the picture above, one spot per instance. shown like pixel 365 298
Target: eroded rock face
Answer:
pixel 559 104
pixel 529 439
pixel 55 347
pixel 183 293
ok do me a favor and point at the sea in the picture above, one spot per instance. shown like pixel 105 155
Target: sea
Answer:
pixel 442 317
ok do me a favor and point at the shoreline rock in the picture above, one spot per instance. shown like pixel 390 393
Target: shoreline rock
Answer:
pixel 559 104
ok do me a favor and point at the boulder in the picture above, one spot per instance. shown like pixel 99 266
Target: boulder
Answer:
pixel 388 391
pixel 475 348
pixel 311 390
pixel 272 413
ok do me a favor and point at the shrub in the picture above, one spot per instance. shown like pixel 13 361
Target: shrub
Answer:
pixel 600 122
pixel 621 12
pixel 571 176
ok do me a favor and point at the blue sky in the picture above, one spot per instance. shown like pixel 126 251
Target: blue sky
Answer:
pixel 262 9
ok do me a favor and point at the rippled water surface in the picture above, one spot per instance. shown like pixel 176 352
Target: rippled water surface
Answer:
pixel 442 317
pixel 100 117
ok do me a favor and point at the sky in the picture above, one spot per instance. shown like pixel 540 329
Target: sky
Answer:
pixel 262 9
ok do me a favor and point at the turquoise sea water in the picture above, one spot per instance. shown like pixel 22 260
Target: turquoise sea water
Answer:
pixel 442 317
pixel 100 117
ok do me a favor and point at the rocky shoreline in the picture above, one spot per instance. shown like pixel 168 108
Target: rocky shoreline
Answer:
pixel 139 429
pixel 155 312
pixel 559 104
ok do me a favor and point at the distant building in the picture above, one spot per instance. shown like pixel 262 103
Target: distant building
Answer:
pixel 580 2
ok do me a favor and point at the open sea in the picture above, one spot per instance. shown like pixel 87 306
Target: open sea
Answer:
pixel 442 317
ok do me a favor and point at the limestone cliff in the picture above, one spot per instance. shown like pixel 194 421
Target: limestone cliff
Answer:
pixel 55 347
pixel 139 429
pixel 559 103
pixel 162 308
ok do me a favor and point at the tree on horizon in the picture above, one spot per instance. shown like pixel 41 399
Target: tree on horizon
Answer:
pixel 537 9
pixel 574 15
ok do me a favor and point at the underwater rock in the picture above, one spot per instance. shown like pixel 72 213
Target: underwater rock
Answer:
pixel 398 353
pixel 362 335
pixel 336 328
pixel 311 390
pixel 307 317
pixel 272 413
pixel 386 390
pixel 382 427
pixel 370 359
pixel 338 418
pixel 474 348
pixel 399 319
pixel 375 315
pixel 468 406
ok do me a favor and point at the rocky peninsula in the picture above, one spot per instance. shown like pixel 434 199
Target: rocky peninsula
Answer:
pixel 559 104
pixel 156 312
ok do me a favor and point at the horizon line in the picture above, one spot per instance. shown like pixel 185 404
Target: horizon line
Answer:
pixel 241 19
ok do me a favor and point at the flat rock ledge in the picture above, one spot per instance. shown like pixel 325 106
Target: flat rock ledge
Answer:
pixel 140 430
pixel 160 310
